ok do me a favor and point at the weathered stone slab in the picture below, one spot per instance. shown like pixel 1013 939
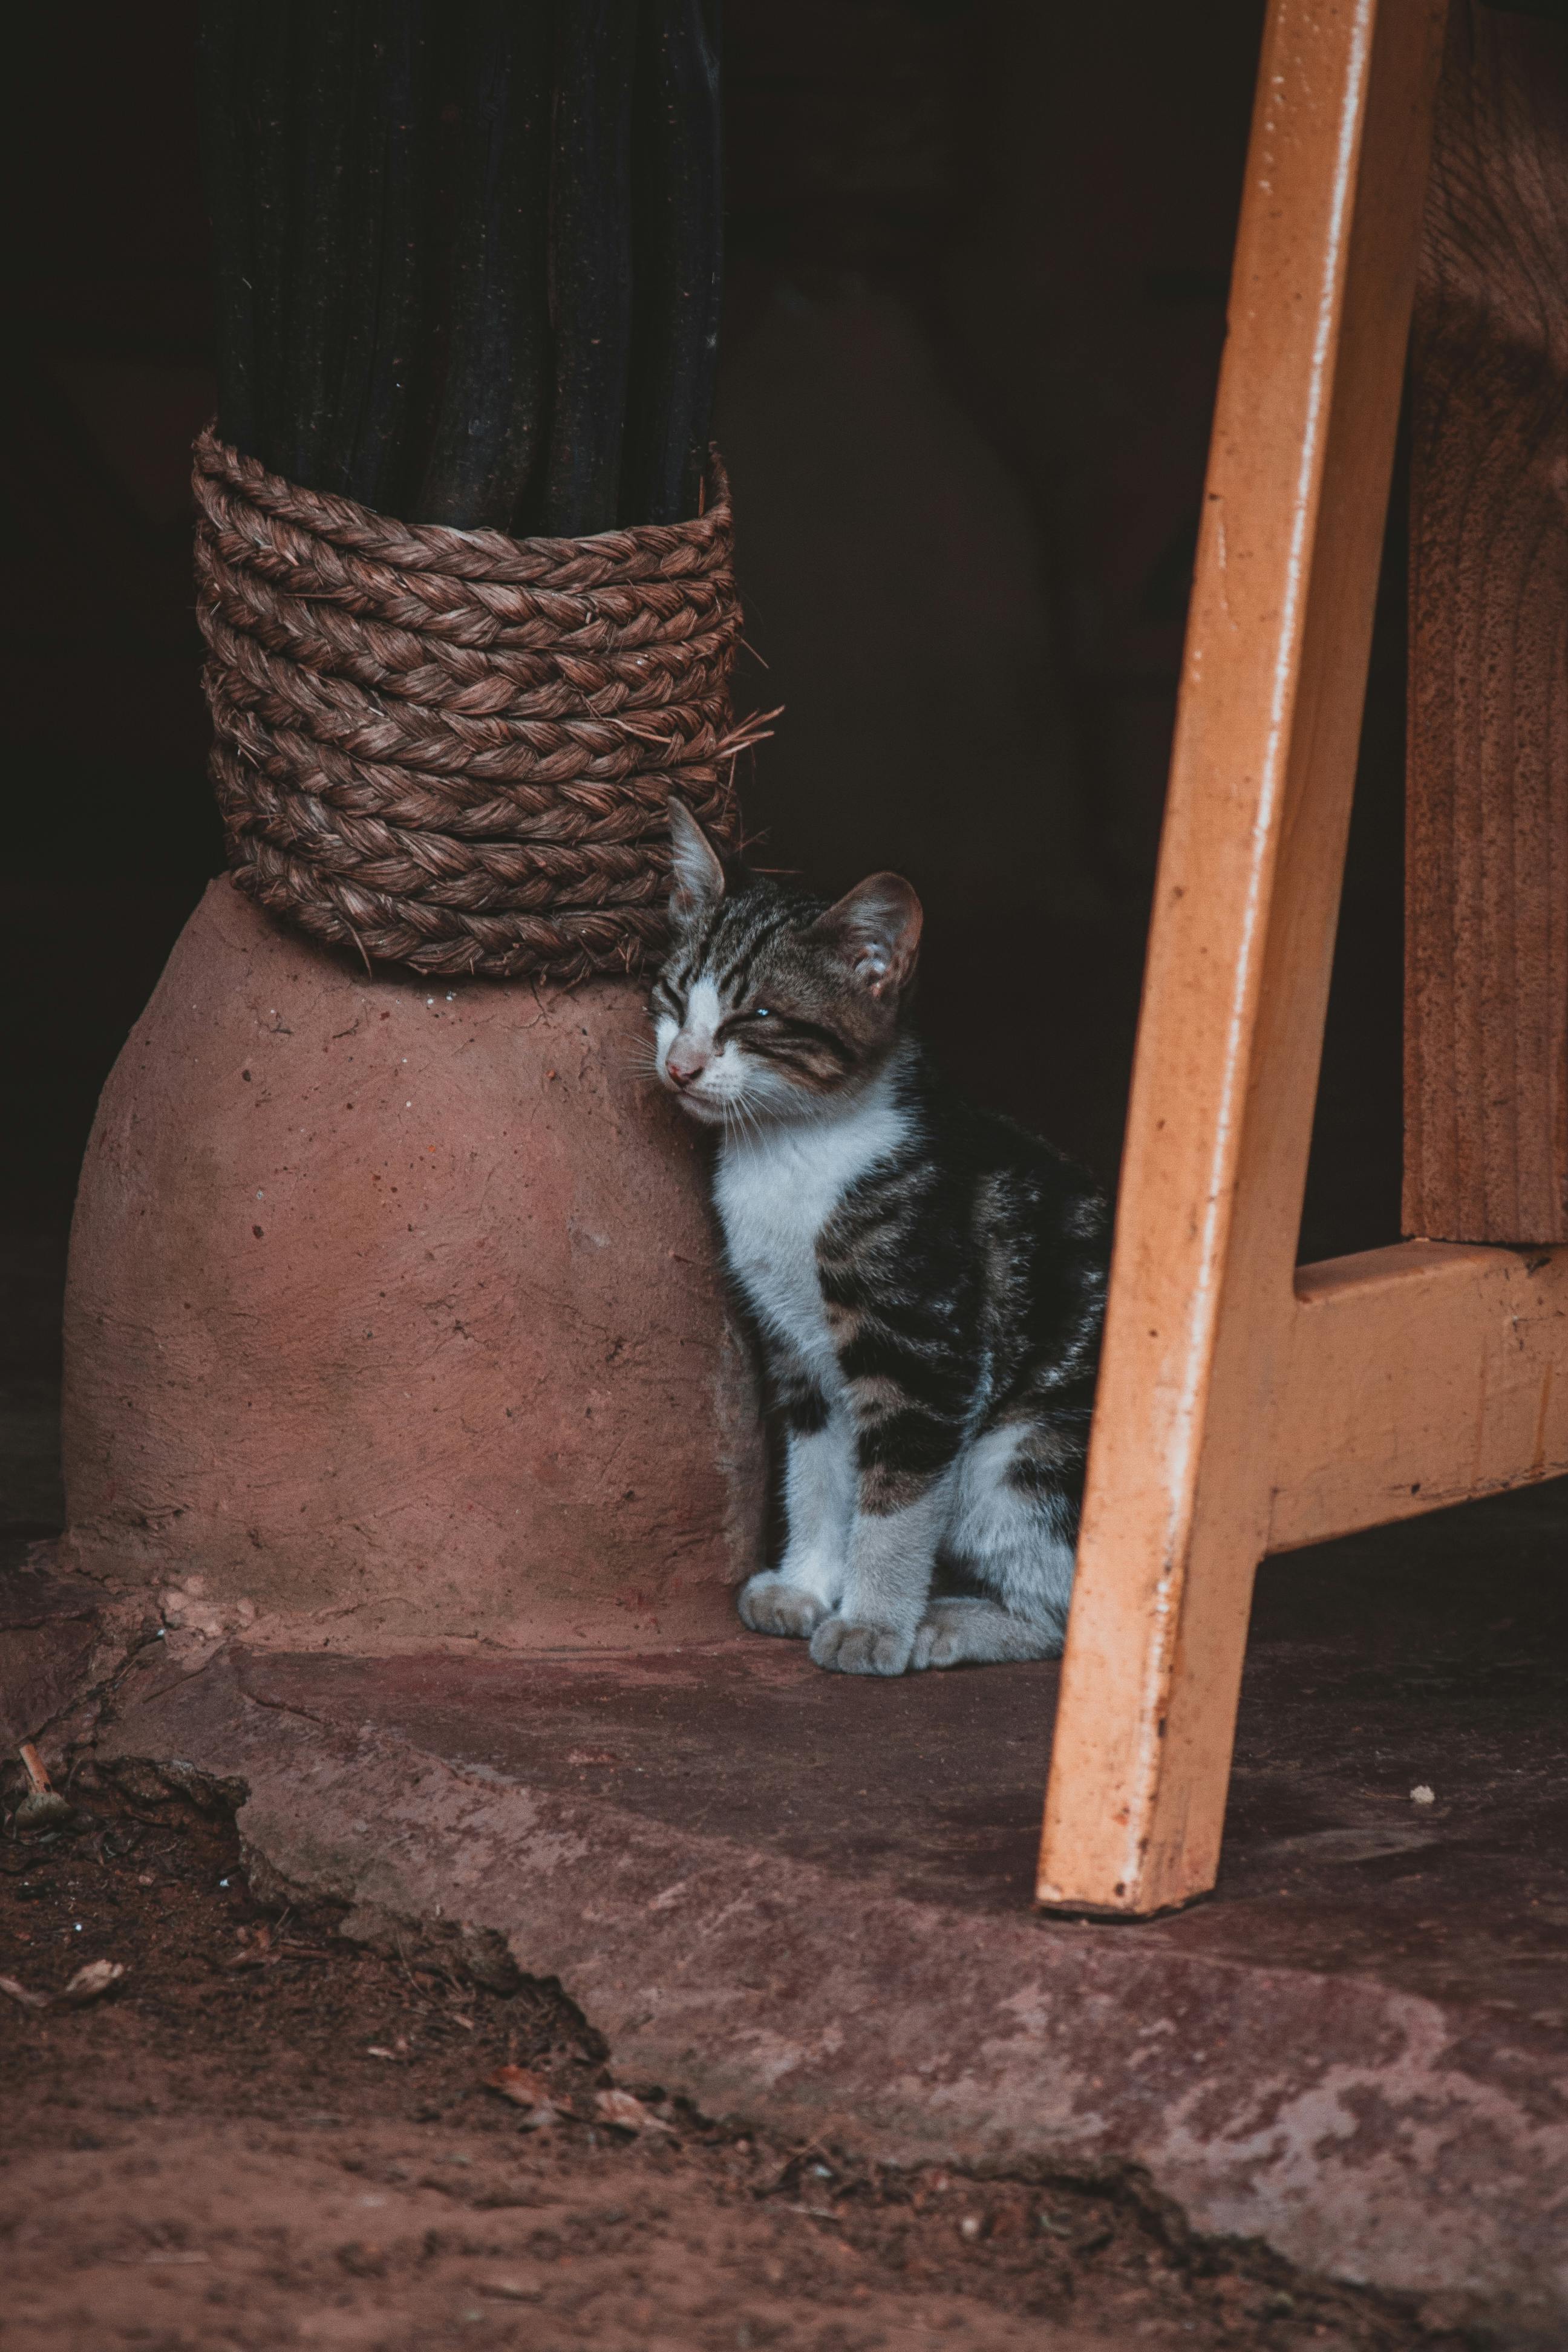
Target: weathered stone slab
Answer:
pixel 797 1900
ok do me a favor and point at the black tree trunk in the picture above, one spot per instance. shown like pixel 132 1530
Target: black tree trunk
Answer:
pixel 468 259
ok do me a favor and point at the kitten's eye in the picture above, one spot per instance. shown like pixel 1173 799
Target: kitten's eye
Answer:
pixel 759 1012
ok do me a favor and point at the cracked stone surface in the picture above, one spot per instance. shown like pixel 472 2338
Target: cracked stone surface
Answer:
pixel 805 1901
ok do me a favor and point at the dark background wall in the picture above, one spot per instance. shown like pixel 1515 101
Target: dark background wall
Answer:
pixel 976 273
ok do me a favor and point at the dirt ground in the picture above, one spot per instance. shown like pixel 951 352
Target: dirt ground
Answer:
pixel 265 2136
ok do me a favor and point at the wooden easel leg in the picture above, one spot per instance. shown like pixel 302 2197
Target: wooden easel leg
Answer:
pixel 1201 1316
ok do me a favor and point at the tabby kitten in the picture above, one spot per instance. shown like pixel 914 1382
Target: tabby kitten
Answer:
pixel 927 1279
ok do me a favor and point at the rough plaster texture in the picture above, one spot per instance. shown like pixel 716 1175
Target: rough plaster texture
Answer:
pixel 392 1310
pixel 1418 2145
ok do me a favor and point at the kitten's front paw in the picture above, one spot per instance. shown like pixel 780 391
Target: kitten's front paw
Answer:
pixel 845 1648
pixel 769 1604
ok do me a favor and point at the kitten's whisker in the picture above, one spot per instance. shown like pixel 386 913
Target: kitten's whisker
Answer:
pixel 745 1119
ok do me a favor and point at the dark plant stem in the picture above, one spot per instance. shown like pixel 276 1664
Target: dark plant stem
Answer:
pixel 677 253
pixel 467 259
pixel 590 264
pixel 493 412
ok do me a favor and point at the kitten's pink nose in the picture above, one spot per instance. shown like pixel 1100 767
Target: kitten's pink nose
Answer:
pixel 685 1063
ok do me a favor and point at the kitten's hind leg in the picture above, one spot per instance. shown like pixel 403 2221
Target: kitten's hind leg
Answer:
pixel 980 1633
pixel 1011 1533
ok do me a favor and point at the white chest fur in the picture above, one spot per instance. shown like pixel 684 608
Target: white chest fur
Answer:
pixel 775 1193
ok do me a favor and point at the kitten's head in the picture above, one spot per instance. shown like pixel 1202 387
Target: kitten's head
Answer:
pixel 773 1004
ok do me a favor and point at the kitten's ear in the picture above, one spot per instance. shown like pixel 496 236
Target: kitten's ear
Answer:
pixel 696 876
pixel 875 928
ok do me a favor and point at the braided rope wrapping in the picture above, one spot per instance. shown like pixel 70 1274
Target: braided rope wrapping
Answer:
pixel 453 750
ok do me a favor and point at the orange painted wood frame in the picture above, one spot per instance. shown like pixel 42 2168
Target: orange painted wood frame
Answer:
pixel 1246 1405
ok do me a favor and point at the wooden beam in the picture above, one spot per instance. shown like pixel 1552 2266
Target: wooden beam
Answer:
pixel 1415 1377
pixel 1487 803
pixel 1200 1314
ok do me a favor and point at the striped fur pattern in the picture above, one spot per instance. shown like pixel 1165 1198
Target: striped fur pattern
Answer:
pixel 926 1279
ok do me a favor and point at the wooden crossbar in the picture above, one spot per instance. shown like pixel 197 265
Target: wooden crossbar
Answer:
pixel 1416 1377
pixel 1246 1406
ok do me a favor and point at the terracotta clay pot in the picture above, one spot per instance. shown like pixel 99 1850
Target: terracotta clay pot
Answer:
pixel 394 1312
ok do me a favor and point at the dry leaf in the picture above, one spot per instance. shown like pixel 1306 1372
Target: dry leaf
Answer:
pixel 627 2114
pixel 526 2090
pixel 255 1952
pixel 91 1983
pixel 15 1992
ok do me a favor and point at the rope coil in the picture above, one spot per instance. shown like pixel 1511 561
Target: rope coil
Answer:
pixel 453 750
